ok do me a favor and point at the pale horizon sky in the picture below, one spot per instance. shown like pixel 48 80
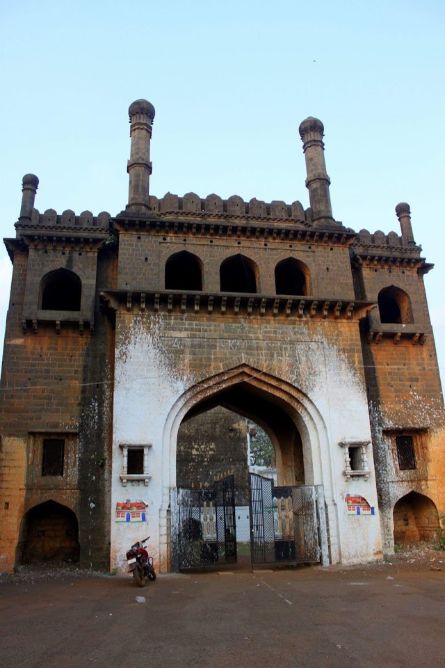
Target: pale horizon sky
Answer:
pixel 230 83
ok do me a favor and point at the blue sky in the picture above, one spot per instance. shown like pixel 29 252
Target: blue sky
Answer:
pixel 230 81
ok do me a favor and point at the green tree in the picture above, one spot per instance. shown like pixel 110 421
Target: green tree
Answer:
pixel 261 449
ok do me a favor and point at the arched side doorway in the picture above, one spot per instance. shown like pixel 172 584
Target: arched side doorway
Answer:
pixel 293 424
pixel 415 519
pixel 49 532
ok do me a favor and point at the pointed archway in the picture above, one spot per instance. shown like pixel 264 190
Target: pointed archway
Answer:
pixel 286 413
pixel 50 532
pixel 415 519
pixel 270 393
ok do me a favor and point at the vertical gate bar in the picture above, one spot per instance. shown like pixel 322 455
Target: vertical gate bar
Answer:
pixel 269 523
pixel 219 507
pixel 174 529
pixel 261 506
pixel 229 519
pixel 252 514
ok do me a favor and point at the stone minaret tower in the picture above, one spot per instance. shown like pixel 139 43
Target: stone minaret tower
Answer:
pixel 317 182
pixel 30 184
pixel 141 114
pixel 403 213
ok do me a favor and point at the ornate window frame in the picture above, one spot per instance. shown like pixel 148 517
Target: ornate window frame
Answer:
pixel 134 478
pixel 360 450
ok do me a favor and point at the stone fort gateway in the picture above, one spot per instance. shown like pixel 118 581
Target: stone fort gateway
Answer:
pixel 242 381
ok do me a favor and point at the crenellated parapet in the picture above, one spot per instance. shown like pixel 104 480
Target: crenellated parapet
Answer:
pixel 381 240
pixel 35 225
pixel 378 248
pixel 66 229
pixel 191 205
pixel 50 221
pixel 232 217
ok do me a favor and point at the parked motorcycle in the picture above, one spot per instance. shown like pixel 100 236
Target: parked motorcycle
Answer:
pixel 140 563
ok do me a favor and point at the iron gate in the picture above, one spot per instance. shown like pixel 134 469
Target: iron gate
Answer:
pixel 206 525
pixel 287 523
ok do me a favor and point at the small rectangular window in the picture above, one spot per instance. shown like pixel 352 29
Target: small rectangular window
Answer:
pixel 134 464
pixel 135 461
pixel 53 452
pixel 405 452
pixel 355 459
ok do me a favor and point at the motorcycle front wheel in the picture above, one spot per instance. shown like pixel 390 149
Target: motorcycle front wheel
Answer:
pixel 152 574
pixel 139 577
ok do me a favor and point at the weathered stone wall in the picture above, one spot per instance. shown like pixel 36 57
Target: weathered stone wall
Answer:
pixel 57 385
pixel 142 260
pixel 164 358
pixel 12 497
pixel 404 391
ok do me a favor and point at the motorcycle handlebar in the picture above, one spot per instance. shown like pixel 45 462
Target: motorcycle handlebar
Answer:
pixel 140 542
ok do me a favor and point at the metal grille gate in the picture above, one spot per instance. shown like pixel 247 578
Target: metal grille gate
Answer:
pixel 262 533
pixel 206 525
pixel 287 524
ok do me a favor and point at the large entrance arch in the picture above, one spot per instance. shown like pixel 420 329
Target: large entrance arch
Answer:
pixel 293 424
pixel 266 388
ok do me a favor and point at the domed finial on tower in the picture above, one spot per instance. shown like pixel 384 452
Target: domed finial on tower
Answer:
pixel 141 113
pixel 30 183
pixel 311 125
pixel 143 107
pixel 403 213
pixel 311 132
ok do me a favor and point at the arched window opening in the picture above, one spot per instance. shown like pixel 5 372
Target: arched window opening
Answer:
pixel 291 278
pixel 50 532
pixel 238 274
pixel 394 306
pixel 415 519
pixel 61 291
pixel 183 271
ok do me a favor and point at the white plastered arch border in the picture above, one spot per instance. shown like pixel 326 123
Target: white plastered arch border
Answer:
pixel 300 408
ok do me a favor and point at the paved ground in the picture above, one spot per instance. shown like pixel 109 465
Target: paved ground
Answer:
pixel 391 615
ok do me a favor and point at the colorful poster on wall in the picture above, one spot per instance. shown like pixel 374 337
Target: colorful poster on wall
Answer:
pixel 131 511
pixel 358 505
